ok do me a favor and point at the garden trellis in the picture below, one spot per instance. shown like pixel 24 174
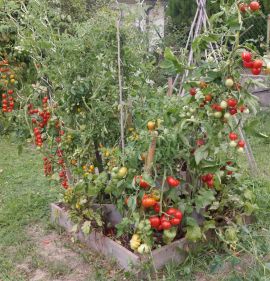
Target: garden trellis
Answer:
pixel 200 22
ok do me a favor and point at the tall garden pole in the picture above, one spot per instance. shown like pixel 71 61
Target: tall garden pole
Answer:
pixel 268 34
pixel 121 103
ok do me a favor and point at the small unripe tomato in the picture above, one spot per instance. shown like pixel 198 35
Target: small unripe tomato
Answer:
pixel 233 144
pixel 229 83
pixel 217 114
pixel 240 150
pixel 223 104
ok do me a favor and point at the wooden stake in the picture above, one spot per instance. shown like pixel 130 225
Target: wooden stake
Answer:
pixel 170 87
pixel 151 153
pixel 122 126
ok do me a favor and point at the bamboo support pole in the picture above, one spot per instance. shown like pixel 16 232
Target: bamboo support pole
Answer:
pixel 268 34
pixel 121 103
pixel 151 153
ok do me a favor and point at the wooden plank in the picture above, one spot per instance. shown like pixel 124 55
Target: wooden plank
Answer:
pixel 172 252
pixel 96 241
pixel 111 249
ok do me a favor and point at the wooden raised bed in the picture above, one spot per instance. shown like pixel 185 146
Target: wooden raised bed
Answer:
pixel 113 250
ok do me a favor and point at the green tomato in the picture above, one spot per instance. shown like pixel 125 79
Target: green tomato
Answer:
pixel 144 249
pixel 169 235
pixel 233 144
pixel 122 172
pixel 218 114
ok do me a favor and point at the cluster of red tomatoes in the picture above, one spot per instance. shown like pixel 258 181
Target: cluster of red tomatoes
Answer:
pixel 8 80
pixel 209 180
pixel 40 120
pixel 254 65
pixel 47 163
pixel 44 114
pixel 63 172
pixel 252 6
pixel 172 217
pixel 8 101
pixel 60 154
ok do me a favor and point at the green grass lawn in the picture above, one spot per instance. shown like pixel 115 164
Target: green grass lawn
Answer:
pixel 24 203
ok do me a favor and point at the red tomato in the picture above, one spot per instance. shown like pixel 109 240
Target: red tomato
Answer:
pixel 241 143
pixel 171 211
pixel 218 108
pixel 4 96
pixel 204 178
pixel 233 111
pixel 193 91
pixel 256 71
pixel 160 227
pixel 246 56
pixel 178 215
pixel 200 142
pixel 243 7
pixel 248 64
pixel 157 208
pixel 148 202
pixel 154 221
pixel 172 182
pixel 233 136
pixel 142 183
pixel 232 102
pixel 208 98
pixel 10 92
pixel 210 183
pixel 166 225
pixel 254 6
pixel 257 64
pixel 209 177
pixel 175 221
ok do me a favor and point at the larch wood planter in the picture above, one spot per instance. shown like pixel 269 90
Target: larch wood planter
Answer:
pixel 113 250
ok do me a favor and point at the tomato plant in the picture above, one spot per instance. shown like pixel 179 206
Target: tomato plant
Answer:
pixel 181 153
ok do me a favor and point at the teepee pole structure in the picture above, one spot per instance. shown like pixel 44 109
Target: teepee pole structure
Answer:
pixel 201 22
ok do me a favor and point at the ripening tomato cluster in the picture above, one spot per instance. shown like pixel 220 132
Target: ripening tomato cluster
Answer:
pixel 47 163
pixel 171 218
pixel 254 65
pixel 38 137
pixel 209 180
pixel 8 101
pixel 63 172
pixel 230 105
pixel 42 117
pixel 252 6
pixel 8 80
pixel 234 143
